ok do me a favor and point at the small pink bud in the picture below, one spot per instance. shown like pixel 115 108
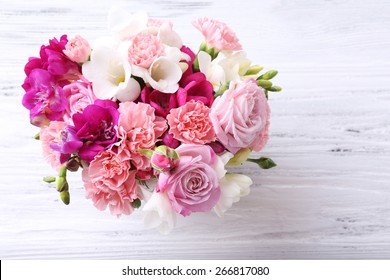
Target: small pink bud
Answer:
pixel 77 49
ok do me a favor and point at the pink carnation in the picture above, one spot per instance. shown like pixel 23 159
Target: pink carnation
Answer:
pixel 79 96
pixel 217 34
pixel 139 128
pixel 50 135
pixel 108 181
pixel 241 117
pixel 191 123
pixel 77 49
pixel 144 49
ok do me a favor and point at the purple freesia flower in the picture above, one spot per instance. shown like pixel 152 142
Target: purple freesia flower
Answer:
pixel 95 128
pixel 68 144
pixel 44 98
pixel 46 75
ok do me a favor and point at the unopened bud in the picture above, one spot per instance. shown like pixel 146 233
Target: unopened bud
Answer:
pixel 65 197
pixel 240 157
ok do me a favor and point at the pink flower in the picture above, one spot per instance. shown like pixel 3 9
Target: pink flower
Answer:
pixel 109 181
pixel 139 128
pixel 193 185
pixel 195 87
pixel 164 158
pixel 77 49
pixel 160 101
pixel 191 123
pixel 79 95
pixel 240 116
pixel 217 34
pixel 49 135
pixel 144 49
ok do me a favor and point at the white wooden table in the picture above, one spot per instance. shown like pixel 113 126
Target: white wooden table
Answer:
pixel 329 197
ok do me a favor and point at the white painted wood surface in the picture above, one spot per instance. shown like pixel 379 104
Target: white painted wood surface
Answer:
pixel 329 197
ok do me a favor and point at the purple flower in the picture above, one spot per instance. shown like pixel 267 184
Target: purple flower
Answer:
pixel 68 144
pixel 44 98
pixel 95 128
pixel 46 75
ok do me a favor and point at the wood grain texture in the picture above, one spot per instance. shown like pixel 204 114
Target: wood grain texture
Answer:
pixel 329 197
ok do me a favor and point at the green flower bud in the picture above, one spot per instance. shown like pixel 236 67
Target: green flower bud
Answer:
pixel 136 203
pixel 253 70
pixel 240 157
pixel 49 179
pixel 268 75
pixel 263 162
pixel 264 84
pixel 65 197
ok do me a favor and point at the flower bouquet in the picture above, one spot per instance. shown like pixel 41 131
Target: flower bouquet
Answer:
pixel 152 124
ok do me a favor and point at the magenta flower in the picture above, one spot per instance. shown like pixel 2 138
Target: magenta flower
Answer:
pixel 161 102
pixel 46 76
pixel 68 144
pixel 95 128
pixel 195 87
pixel 44 98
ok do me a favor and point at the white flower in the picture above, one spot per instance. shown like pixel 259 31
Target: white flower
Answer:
pixel 124 25
pixel 233 187
pixel 110 72
pixel 235 65
pixel 213 71
pixel 158 213
pixel 165 72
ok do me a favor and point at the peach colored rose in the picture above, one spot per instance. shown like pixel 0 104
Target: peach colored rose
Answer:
pixel 241 116
pixel 52 134
pixel 217 34
pixel 139 128
pixel 191 123
pixel 144 49
pixel 108 181
pixel 77 49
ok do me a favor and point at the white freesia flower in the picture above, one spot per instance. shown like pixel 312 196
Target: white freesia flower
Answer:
pixel 235 65
pixel 233 187
pixel 169 37
pixel 158 213
pixel 124 25
pixel 110 72
pixel 213 71
pixel 165 72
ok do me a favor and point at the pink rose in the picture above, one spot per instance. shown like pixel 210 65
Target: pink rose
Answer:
pixel 77 49
pixel 50 135
pixel 109 181
pixel 79 95
pixel 217 34
pixel 139 128
pixel 240 116
pixel 144 49
pixel 193 185
pixel 191 123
